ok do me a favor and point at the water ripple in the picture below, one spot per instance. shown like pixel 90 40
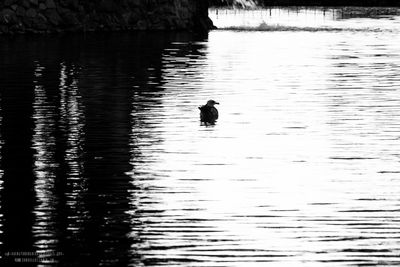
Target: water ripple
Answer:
pixel 301 169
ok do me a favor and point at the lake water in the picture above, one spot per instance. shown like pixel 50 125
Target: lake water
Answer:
pixel 104 161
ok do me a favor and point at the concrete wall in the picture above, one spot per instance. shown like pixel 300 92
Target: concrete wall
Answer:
pixel 46 16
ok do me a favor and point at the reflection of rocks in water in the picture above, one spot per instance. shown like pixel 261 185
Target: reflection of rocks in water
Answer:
pixel 16 176
pixel 79 117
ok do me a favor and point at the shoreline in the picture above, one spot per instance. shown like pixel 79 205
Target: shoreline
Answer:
pixel 57 16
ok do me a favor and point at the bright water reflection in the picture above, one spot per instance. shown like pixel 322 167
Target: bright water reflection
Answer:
pixel 306 19
pixel 300 170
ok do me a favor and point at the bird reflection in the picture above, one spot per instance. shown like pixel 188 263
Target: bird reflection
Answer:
pixel 208 113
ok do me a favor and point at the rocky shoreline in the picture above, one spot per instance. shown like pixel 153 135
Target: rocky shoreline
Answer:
pixel 49 16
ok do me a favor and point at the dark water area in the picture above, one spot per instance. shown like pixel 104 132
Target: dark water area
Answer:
pixel 68 106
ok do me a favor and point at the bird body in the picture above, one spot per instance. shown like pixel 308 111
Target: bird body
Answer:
pixel 208 113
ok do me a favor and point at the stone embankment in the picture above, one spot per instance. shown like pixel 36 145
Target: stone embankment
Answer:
pixel 47 16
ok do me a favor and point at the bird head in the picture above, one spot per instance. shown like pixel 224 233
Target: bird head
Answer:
pixel 211 103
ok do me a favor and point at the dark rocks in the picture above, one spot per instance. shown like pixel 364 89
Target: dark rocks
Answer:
pixel 25 3
pixel 8 17
pixel 40 23
pixel 34 2
pixel 72 4
pixel 20 12
pixel 70 19
pixel 9 2
pixel 31 13
pixel 43 16
pixel 108 6
pixel 53 17
pixel 50 4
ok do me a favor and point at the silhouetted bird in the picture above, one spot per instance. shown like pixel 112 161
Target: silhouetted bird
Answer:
pixel 208 113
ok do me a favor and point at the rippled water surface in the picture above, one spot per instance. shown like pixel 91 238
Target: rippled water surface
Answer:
pixel 104 161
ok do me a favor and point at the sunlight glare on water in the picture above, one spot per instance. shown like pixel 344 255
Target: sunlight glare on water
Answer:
pixel 302 167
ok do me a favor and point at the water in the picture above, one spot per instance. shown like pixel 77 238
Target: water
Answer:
pixel 305 19
pixel 104 161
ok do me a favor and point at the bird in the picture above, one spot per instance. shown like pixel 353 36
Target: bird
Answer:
pixel 208 113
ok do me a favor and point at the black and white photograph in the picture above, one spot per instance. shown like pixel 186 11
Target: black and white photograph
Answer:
pixel 199 133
